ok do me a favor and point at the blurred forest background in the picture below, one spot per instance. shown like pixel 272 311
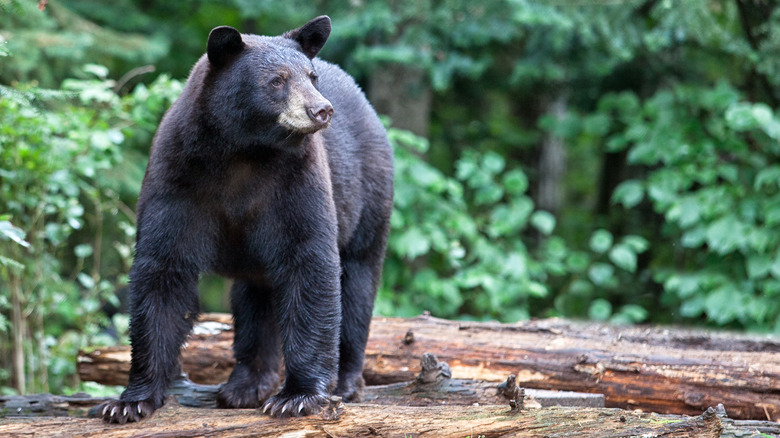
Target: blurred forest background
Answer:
pixel 613 160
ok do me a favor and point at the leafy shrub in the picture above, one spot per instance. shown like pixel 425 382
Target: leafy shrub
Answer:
pixel 475 246
pixel 61 157
pixel 705 161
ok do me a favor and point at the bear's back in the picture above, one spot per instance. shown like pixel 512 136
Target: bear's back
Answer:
pixel 359 154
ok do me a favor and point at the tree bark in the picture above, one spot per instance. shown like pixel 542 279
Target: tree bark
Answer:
pixel 402 93
pixel 373 420
pixel 18 325
pixel 552 159
pixel 652 369
pixel 433 386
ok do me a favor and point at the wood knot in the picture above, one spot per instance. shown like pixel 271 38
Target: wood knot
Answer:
pixel 432 370
pixel 409 338
pixel 333 408
pixel 513 393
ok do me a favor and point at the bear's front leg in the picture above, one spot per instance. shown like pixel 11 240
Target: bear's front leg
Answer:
pixel 306 277
pixel 163 301
pixel 163 307
pixel 309 312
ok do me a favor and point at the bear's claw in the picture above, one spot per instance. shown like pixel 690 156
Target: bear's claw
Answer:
pixel 294 405
pixel 131 411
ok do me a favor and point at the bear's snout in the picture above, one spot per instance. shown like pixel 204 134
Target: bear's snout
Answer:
pixel 321 112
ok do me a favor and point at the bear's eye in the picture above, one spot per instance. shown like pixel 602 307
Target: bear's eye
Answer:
pixel 277 82
pixel 313 77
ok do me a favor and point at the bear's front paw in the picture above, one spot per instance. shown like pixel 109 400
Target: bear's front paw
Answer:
pixel 239 394
pixel 121 412
pixel 294 405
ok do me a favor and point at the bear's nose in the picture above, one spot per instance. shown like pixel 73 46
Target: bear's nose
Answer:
pixel 321 113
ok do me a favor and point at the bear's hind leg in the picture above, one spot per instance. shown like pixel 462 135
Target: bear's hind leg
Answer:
pixel 256 348
pixel 357 304
pixel 361 263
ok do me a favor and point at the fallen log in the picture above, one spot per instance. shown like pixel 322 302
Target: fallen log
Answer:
pixel 653 369
pixel 14 408
pixel 433 386
pixel 373 420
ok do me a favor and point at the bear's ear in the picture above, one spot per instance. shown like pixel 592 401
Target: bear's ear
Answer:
pixel 311 36
pixel 224 43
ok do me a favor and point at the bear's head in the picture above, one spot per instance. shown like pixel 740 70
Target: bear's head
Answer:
pixel 263 90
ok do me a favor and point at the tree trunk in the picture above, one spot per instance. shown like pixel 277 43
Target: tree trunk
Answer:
pixel 653 369
pixel 373 420
pixel 552 160
pixel 402 93
pixel 18 324
pixel 432 388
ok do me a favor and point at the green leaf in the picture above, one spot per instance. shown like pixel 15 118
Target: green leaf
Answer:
pixel 774 269
pixel 722 305
pixel 98 70
pixel 767 177
pixel 758 266
pixel 694 238
pixel 692 308
pixel 465 168
pixel 515 182
pixel 726 234
pixel 762 113
pixel 629 193
pixel 601 240
pixel 597 124
pixel 686 212
pixel 600 309
pixel 85 280
pixel 516 266
pixel 740 117
pixel 493 163
pixel 413 243
pixel 83 251
pixel 488 194
pixel 577 261
pixel 426 176
pixel 5 261
pixel 634 313
pixel 543 221
pixel 638 244
pixel 601 274
pixel 537 290
pixel 623 257
pixel 16 234
pixel 508 219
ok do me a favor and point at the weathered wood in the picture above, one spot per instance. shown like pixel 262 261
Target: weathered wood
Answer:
pixel 372 420
pixel 202 396
pixel 37 405
pixel 653 369
pixel 433 386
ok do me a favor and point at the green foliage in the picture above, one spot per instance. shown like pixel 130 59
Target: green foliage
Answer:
pixel 475 246
pixel 712 174
pixel 59 154
pixel 44 46
pixel 445 258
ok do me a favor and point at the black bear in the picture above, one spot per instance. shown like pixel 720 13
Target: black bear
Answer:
pixel 271 169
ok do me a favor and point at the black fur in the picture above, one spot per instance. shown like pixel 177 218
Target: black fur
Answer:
pixel 297 216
